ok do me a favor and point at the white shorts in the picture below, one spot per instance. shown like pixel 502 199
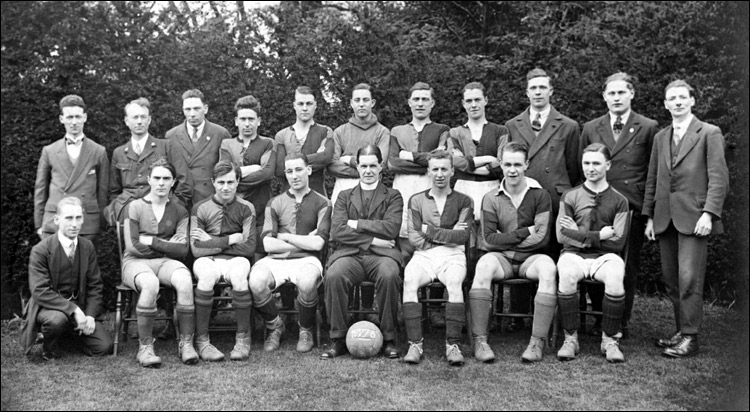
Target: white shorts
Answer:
pixel 514 269
pixel 221 266
pixel 342 183
pixel 439 260
pixel 476 191
pixel 288 270
pixel 588 267
pixel 408 185
pixel 163 268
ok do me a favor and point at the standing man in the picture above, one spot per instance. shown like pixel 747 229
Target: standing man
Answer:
pixel 195 144
pixel 222 238
pixel 66 288
pixel 685 190
pixel 629 136
pixel 128 177
pixel 308 137
pixel 295 232
pixel 365 225
pixel 255 156
pixel 439 222
pixel 72 166
pixel 410 147
pixel 361 130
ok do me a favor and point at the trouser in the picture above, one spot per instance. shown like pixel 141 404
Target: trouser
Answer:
pixel 55 324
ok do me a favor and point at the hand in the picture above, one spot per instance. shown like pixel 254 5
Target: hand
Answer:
pixel 199 234
pixel 424 227
pixel 703 225
pixel 383 243
pixel 482 171
pixel 494 164
pixel 352 224
pixel 607 232
pixel 146 240
pixel 568 223
pixel 345 159
pixel 88 326
pixel 461 226
pixel 649 233
pixel 253 168
pixel 456 152
pixel 313 233
pixel 80 319
pixel 235 238
pixel 406 155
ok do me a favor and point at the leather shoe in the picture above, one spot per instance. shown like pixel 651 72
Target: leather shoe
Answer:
pixel 688 346
pixel 49 355
pixel 669 342
pixel 391 350
pixel 335 349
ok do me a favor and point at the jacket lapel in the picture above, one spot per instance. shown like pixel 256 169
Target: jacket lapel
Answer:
pixel 548 130
pixel 183 139
pixel 55 257
pixel 604 131
pixel 633 124
pixel 377 198
pixel 355 199
pixel 81 166
pixel 62 157
pixel 523 123
pixel 689 140
pixel 202 141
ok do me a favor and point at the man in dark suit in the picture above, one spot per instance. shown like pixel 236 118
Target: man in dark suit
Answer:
pixel 66 288
pixel 72 166
pixel 196 143
pixel 685 190
pixel 629 137
pixel 365 224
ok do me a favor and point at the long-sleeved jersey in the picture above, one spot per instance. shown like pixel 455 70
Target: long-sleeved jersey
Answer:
pixel 220 221
pixel 424 210
pixel 285 215
pixel 169 234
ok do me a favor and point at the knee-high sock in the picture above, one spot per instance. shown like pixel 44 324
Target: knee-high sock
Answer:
pixel 203 303
pixel 569 314
pixel 145 321
pixel 307 312
pixel 544 311
pixel 612 309
pixel 413 320
pixel 480 304
pixel 455 318
pixel 243 305
pixel 186 319
pixel 268 311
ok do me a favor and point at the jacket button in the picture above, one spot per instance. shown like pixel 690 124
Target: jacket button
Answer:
pixel 546 169
pixel 626 182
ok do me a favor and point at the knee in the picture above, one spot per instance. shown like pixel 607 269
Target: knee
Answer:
pixel 54 321
pixel 206 280
pixel 547 275
pixel 390 274
pixel 568 282
pixel 483 274
pixel 182 281
pixel 239 281
pixel 148 284
pixel 259 282
pixel 307 284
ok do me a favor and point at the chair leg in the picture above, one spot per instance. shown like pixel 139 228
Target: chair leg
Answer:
pixel 118 322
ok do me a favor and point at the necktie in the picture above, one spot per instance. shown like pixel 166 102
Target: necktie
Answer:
pixel 195 134
pixel 536 124
pixel 617 127
pixel 676 135
pixel 72 254
pixel 137 148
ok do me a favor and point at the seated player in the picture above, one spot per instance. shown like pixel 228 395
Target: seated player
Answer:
pixel 155 237
pixel 295 230
pixel 439 221
pixel 222 238
pixel 591 227
pixel 514 232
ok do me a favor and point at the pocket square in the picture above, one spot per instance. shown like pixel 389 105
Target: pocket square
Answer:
pixel 92 172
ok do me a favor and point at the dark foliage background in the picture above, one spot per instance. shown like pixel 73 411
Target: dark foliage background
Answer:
pixel 113 52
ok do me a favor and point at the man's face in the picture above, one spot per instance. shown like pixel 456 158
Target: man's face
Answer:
pixel 618 96
pixel 595 166
pixel 440 172
pixel 247 122
pixel 69 219
pixel 421 104
pixel 369 169
pixel 539 92
pixel 304 106
pixel 474 103
pixel 297 174
pixel 161 181
pixel 194 110
pixel 514 165
pixel 678 101
pixel 226 186
pixel 137 119
pixel 362 103
pixel 73 118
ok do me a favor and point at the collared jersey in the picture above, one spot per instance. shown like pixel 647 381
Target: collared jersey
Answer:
pixel 285 215
pixel 423 210
pixel 420 144
pixel 169 234
pixel 220 221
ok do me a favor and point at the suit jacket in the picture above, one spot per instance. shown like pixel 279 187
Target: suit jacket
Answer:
pixel 197 161
pixel 57 177
pixel 630 154
pixel 553 155
pixel 697 182
pixel 43 279
pixel 382 220
pixel 128 177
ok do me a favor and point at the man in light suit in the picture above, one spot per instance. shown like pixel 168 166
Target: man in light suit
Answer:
pixel 66 288
pixel 629 137
pixel 685 190
pixel 72 166
pixel 196 143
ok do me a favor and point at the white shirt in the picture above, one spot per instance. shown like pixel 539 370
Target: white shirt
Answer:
pixel 530 183
pixel 138 144
pixel 544 114
pixel 681 127
pixel 66 242
pixel 623 118
pixel 191 129
pixel 74 150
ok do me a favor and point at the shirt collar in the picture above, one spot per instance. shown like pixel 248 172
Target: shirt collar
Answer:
pixel 70 140
pixel 683 125
pixel 623 117
pixel 484 123
pixel 141 141
pixel 544 113
pixel 371 186
pixel 530 184
pixel 65 241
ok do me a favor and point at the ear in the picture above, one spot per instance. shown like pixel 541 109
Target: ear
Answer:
pixel 373 102
pixel 205 108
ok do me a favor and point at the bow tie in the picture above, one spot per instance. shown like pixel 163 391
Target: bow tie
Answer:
pixel 73 142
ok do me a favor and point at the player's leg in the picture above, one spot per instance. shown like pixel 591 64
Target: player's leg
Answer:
pixel 237 273
pixel 540 268
pixel 452 276
pixel 571 269
pixel 139 276
pixel 263 281
pixel 418 273
pixel 491 266
pixel 610 270
pixel 307 277
pixel 177 275
pixel 208 273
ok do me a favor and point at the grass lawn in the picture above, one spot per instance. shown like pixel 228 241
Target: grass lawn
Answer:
pixel 715 379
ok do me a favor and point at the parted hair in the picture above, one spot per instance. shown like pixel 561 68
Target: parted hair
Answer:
pixel 364 86
pixel 69 200
pixel 440 154
pixel 162 162
pixel 193 93
pixel 296 155
pixel 370 150
pixel 141 101
pixel 475 86
pixel 680 83
pixel 247 102
pixel 600 148
pixel 304 90
pixel 630 80
pixel 537 72
pixel 72 100
pixel 224 167
pixel 422 86
pixel 515 147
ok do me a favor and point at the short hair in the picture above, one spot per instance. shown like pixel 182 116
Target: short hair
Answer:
pixel 475 86
pixel 537 72
pixel 304 90
pixel 247 102
pixel 68 200
pixel 193 93
pixel 141 101
pixel 370 150
pixel 439 154
pixel 72 100
pixel 620 76
pixel 225 167
pixel 598 148
pixel 162 162
pixel 295 156
pixel 363 86
pixel 515 147
pixel 679 83
pixel 422 86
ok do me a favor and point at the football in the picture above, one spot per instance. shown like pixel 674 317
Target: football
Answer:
pixel 364 340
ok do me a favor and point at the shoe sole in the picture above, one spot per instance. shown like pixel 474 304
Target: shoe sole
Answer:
pixel 676 356
pixel 152 366
pixel 527 360
pixel 456 363
pixel 190 361
pixel 565 358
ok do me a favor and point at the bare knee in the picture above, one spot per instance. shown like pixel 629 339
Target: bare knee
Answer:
pixel 182 282
pixel 239 280
pixel 484 273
